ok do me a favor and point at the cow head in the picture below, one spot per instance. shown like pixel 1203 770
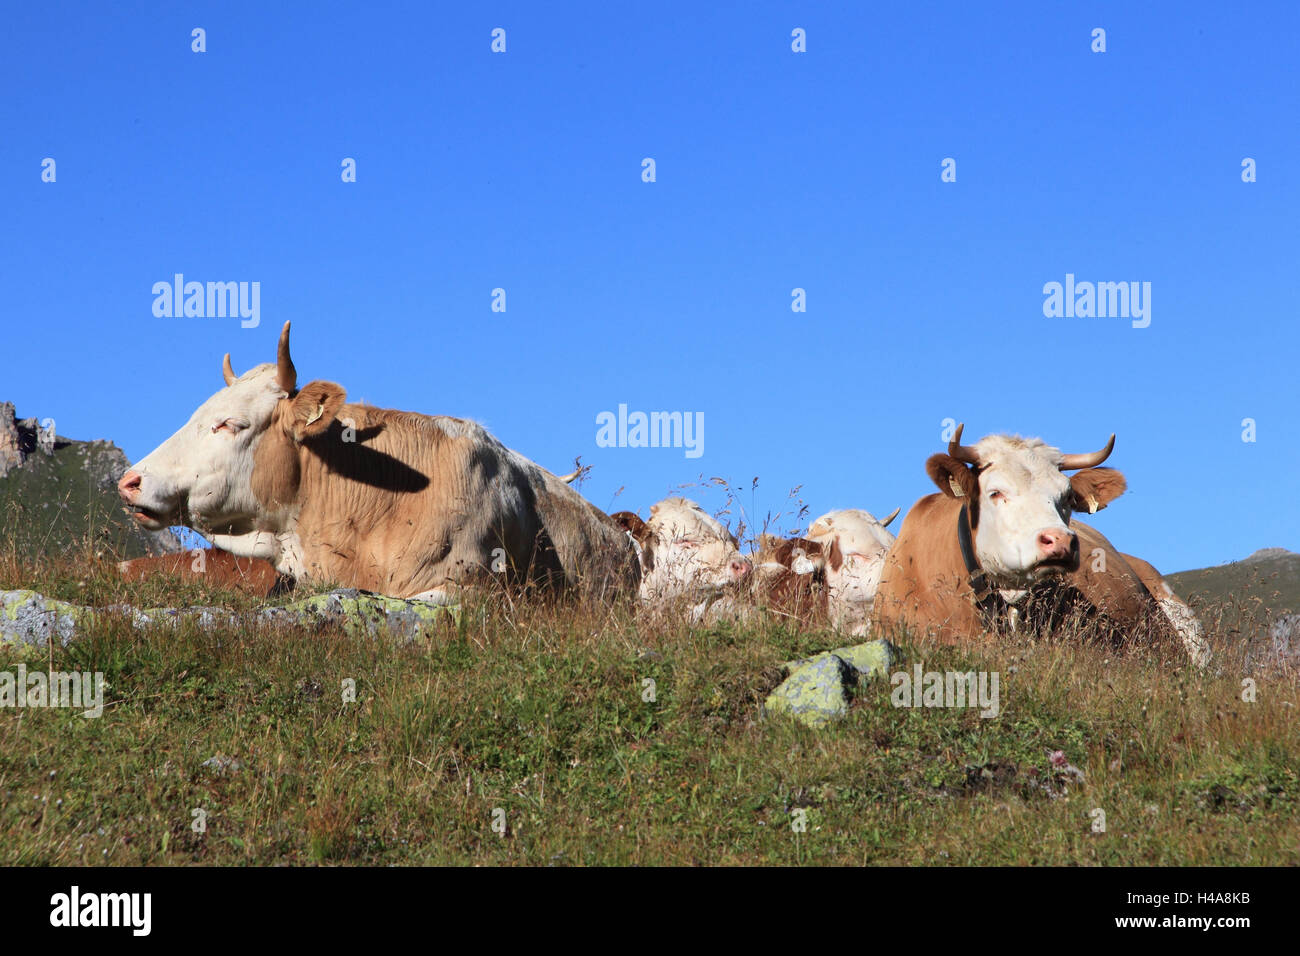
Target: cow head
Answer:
pixel 854 545
pixel 684 552
pixel 1019 501
pixel 203 476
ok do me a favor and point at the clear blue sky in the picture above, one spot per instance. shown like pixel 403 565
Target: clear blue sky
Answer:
pixel 775 170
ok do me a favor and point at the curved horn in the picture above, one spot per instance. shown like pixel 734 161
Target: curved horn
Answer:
pixel 568 479
pixel 892 515
pixel 286 376
pixel 1090 460
pixel 962 452
pixel 227 372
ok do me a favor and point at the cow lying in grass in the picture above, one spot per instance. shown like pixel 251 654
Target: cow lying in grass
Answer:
pixel 690 560
pixel 214 567
pixel 398 503
pixel 996 550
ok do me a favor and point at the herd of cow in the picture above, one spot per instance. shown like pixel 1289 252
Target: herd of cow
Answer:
pixel 417 506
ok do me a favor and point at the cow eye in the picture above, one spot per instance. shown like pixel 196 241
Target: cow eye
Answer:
pixel 686 542
pixel 997 496
pixel 232 425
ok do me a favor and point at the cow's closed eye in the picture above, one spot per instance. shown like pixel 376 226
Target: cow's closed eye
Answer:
pixel 232 425
pixel 686 543
pixel 998 496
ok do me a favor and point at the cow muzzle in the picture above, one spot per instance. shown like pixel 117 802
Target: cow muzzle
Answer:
pixel 129 489
pixel 1058 549
pixel 740 570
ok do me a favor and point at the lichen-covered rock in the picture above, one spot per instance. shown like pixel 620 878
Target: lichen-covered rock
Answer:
pixel 32 618
pixel 872 659
pixel 363 612
pixel 815 693
pixel 818 689
pixel 35 619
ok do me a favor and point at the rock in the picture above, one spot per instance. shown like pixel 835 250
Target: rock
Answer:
pixel 32 618
pixel 873 659
pixel 815 693
pixel 818 689
pixel 222 765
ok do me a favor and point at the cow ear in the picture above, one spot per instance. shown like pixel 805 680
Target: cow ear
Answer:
pixel 631 523
pixel 955 479
pixel 1094 488
pixel 312 410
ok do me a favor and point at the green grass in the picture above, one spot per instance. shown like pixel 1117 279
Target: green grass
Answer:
pixel 539 712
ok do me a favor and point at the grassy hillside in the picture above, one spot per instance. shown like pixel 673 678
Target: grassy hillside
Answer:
pixel 1243 597
pixel 543 715
pixel 70 496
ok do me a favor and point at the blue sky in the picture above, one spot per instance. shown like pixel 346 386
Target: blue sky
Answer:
pixel 775 170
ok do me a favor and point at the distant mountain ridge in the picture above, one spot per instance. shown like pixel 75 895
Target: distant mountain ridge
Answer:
pixel 55 492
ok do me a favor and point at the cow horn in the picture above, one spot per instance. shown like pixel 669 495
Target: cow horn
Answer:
pixel 568 479
pixel 1090 460
pixel 962 452
pixel 286 376
pixel 892 515
pixel 227 372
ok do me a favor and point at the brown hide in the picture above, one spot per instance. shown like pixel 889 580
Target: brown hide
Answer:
pixel 403 503
pixel 220 568
pixel 803 597
pixel 926 588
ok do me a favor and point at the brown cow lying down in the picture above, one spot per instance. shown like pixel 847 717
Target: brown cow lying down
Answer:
pixel 219 568
pixel 394 502
pixel 993 552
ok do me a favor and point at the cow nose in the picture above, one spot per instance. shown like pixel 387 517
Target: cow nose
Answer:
pixel 129 486
pixel 740 568
pixel 1054 543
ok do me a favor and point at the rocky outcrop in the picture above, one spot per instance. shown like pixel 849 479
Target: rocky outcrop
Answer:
pixel 12 450
pixel 31 618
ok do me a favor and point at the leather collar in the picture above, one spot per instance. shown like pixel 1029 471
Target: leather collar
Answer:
pixel 988 599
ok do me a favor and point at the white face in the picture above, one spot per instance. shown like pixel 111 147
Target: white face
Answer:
pixel 862 543
pixel 692 552
pixel 1024 511
pixel 202 475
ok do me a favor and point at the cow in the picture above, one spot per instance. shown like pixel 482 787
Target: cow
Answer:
pixel 853 544
pixel 789 579
pixel 687 558
pixel 211 566
pixel 995 549
pixel 398 503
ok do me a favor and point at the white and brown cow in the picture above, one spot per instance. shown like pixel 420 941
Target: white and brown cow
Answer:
pixel 399 503
pixel 789 579
pixel 983 553
pixel 853 545
pixel 688 558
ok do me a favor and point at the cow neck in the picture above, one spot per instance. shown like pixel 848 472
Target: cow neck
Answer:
pixel 992 606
